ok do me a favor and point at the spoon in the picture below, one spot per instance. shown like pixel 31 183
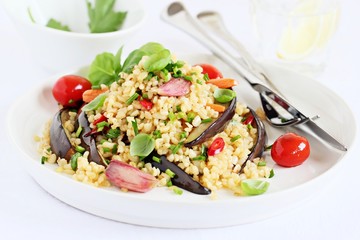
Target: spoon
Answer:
pixel 177 15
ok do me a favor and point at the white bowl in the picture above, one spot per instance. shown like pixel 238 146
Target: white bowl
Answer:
pixel 57 50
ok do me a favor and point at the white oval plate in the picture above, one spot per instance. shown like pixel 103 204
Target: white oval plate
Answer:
pixel 162 208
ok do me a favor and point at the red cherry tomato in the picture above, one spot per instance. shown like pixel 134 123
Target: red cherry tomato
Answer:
pixel 216 146
pixel 290 150
pixel 68 90
pixel 211 71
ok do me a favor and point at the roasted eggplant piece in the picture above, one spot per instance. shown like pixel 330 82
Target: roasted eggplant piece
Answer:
pixel 181 178
pixel 88 141
pixel 59 136
pixel 261 138
pixel 208 130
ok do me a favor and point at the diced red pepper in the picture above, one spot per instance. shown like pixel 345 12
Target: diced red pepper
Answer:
pixel 216 146
pixel 146 103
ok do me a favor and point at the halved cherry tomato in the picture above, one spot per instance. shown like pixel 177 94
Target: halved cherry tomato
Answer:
pixel 68 90
pixel 290 150
pixel 210 70
pixel 216 146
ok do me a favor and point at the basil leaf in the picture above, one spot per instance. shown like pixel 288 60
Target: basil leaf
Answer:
pixel 103 18
pixel 103 70
pixel 157 61
pixel 224 95
pixel 133 59
pixel 52 23
pixel 117 60
pixel 254 186
pixel 142 145
pixel 96 103
pixel 151 48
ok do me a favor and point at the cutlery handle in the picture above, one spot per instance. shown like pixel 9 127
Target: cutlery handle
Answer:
pixel 181 19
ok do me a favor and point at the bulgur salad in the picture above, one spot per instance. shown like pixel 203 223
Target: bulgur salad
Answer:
pixel 155 121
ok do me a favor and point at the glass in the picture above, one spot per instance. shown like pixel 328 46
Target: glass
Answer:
pixel 295 33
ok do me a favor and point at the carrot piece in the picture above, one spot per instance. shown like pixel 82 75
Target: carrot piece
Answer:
pixel 223 82
pixel 91 94
pixel 216 107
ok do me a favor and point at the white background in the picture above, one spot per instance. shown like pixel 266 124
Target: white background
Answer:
pixel 27 211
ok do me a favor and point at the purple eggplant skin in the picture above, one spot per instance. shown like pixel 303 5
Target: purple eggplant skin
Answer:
pixel 88 141
pixel 208 130
pixel 261 138
pixel 59 138
pixel 181 178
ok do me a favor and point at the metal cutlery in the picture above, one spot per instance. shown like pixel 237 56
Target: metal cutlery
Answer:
pixel 273 104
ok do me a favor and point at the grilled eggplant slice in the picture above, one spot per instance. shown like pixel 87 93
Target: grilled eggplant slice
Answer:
pixel 261 138
pixel 59 137
pixel 181 178
pixel 88 141
pixel 208 130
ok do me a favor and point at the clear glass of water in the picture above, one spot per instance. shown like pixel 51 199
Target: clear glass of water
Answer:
pixel 295 33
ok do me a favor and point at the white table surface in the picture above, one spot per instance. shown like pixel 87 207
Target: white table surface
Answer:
pixel 27 211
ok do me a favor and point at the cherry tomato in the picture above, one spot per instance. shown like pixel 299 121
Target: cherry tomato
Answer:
pixel 211 71
pixel 290 150
pixel 216 146
pixel 68 90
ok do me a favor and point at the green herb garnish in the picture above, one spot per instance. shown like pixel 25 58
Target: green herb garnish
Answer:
pixel 142 145
pixel 96 103
pixel 170 173
pixel 135 127
pixel 113 133
pixel 74 159
pixel 132 98
pixel 52 23
pixel 103 18
pixel 254 186
pixel 237 137
pixel 224 95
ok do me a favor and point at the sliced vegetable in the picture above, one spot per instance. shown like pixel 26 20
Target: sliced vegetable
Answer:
pixel 223 82
pixel 217 107
pixel 207 130
pixel 254 186
pixel 142 145
pixel 175 87
pixel 59 136
pixel 224 95
pixel 132 98
pixel 216 147
pixel 126 176
pixel 180 178
pixel 68 90
pixel 290 150
pixel 91 94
